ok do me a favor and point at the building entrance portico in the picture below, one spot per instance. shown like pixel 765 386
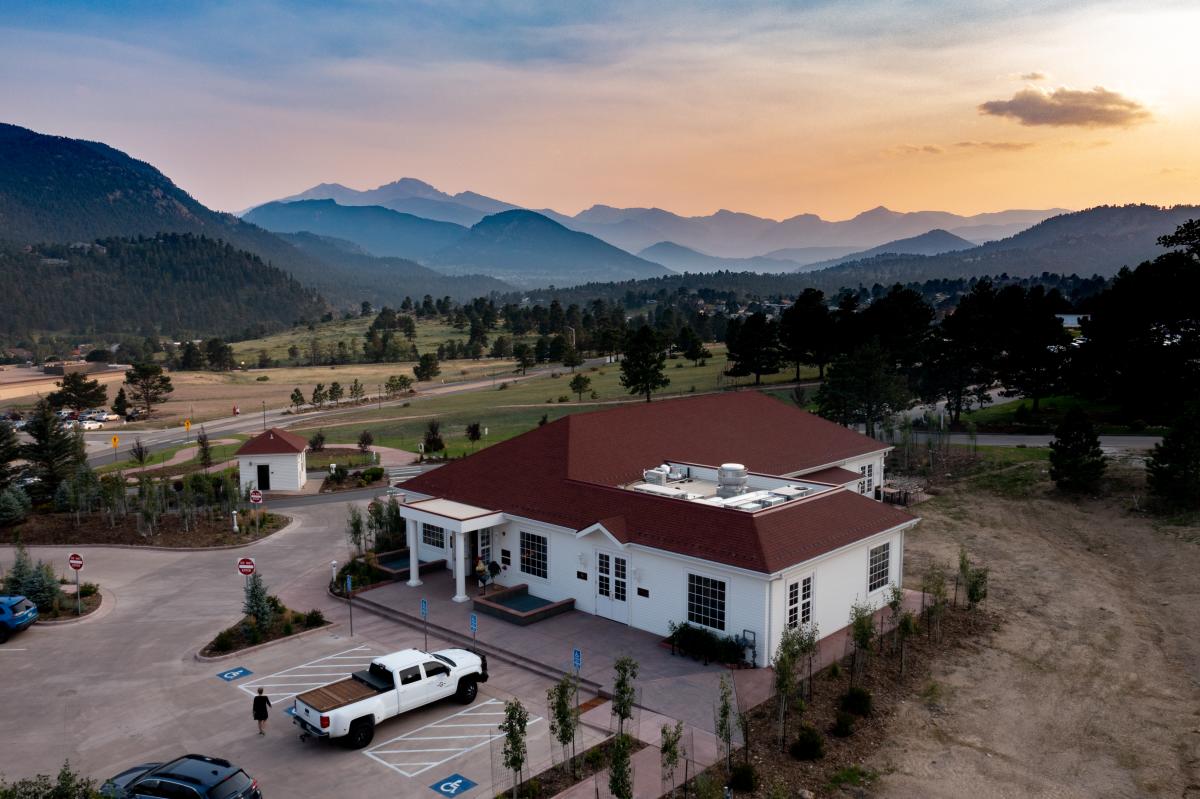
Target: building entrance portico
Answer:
pixel 453 526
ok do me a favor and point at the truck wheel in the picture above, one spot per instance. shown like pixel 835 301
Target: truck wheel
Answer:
pixel 362 732
pixel 468 689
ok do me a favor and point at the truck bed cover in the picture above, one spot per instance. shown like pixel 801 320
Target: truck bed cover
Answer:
pixel 338 694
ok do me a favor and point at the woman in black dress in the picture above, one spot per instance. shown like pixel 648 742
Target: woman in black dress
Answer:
pixel 261 703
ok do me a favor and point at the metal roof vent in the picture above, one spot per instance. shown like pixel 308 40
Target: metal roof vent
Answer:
pixel 731 479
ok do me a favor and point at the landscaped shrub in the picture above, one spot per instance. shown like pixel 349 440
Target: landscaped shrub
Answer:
pixel 743 778
pixel 702 644
pixel 809 744
pixel 857 701
pixel 223 642
pixel 314 618
pixel 372 474
pixel 88 589
pixel 843 727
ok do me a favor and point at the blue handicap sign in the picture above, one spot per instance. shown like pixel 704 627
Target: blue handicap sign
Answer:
pixel 424 608
pixel 291 710
pixel 454 785
pixel 577 659
pixel 235 674
pixel 474 623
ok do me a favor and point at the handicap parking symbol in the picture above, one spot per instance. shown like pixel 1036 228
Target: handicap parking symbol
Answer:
pixel 235 674
pixel 454 785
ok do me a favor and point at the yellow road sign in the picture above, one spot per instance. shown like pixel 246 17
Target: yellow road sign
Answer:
pixel 187 425
pixel 116 440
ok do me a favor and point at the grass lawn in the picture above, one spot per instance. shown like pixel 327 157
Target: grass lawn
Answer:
pixel 350 458
pixel 220 454
pixel 429 335
pixel 508 412
pixel 1007 416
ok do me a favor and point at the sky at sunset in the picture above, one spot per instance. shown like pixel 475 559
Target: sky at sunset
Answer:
pixel 774 109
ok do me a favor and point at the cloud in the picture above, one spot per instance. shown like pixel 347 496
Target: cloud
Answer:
pixel 1004 146
pixel 914 149
pixel 1098 108
pixel 1034 76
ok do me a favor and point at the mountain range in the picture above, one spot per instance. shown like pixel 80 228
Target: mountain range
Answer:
pixel 934 242
pixel 725 234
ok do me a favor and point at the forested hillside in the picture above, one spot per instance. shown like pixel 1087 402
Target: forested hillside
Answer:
pixel 177 284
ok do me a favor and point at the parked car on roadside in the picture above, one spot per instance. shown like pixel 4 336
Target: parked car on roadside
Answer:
pixel 187 777
pixel 16 613
pixel 89 424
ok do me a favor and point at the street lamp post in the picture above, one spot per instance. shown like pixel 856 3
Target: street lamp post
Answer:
pixel 264 407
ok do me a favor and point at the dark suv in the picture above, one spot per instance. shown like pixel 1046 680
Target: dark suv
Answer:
pixel 188 777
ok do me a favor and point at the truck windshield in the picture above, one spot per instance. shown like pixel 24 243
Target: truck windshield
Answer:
pixel 445 659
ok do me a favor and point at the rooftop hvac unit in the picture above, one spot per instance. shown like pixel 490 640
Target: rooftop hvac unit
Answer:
pixel 731 479
pixel 770 500
pixel 656 476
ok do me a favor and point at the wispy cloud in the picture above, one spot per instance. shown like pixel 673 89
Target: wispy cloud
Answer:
pixel 1034 76
pixel 1098 108
pixel 1002 146
pixel 914 149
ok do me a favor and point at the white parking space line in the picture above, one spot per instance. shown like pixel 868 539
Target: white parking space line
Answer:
pixel 283 685
pixel 414 753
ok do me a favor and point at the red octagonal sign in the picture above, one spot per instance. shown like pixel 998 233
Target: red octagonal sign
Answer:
pixel 246 566
pixel 75 561
pixel 255 496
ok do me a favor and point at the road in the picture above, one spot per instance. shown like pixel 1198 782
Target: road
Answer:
pixel 124 688
pixel 100 450
pixel 1107 443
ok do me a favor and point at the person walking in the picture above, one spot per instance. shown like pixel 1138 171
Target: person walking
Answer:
pixel 261 703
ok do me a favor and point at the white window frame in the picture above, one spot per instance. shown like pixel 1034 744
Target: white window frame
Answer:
pixel 867 484
pixel 521 561
pixel 879 572
pixel 430 538
pixel 724 600
pixel 800 601
pixel 485 545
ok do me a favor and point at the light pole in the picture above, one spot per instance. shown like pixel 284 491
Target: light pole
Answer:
pixel 264 407
pixel 379 397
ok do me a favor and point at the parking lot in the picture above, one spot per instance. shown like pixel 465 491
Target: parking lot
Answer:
pixel 124 688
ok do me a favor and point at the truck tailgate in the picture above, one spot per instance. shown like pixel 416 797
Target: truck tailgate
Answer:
pixel 335 695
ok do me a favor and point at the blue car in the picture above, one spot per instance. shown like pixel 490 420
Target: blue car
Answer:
pixel 16 613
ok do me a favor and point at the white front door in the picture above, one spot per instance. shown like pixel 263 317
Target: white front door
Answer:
pixel 612 586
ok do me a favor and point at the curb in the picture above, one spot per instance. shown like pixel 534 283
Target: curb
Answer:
pixel 149 548
pixel 458 639
pixel 255 648
pixel 103 606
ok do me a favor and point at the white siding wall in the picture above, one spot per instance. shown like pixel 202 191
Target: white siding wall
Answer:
pixel 839 581
pixel 287 471
pixel 855 464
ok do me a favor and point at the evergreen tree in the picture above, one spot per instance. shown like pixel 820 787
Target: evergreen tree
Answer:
pixel 474 432
pixel 78 393
pixel 579 384
pixel 18 573
pixel 139 453
pixel 297 398
pixel 1174 467
pixel 204 449
pixel 317 442
pixel 571 358
pixel 55 452
pixel 191 357
pixel 120 405
pixel 753 347
pixel 524 356
pixel 10 449
pixel 148 385
pixel 365 440
pixel 427 367
pixel 14 505
pixel 433 437
pixel 806 332
pixel 644 365
pixel 862 387
pixel 318 395
pixel 357 392
pixel 256 604
pixel 1076 462
pixel 335 392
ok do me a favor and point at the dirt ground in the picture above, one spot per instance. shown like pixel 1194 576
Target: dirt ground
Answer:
pixel 1091 684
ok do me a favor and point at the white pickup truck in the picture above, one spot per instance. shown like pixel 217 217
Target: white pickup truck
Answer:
pixel 394 684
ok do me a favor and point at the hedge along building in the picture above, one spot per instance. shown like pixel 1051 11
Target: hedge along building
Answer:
pixel 274 460
pixel 734 511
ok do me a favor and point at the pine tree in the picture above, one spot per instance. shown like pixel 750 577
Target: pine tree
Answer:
pixel 54 453
pixel 1174 467
pixel 433 437
pixel 148 384
pixel 10 449
pixel 14 506
pixel 120 405
pixel 297 398
pixel 1076 461
pixel 78 393
pixel 18 573
pixel 579 384
pixel 256 604
pixel 365 440
pixel 204 449
pixel 319 395
pixel 335 392
pixel 644 365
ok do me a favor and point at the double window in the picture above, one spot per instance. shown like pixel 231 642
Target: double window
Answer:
pixel 535 559
pixel 433 536
pixel 880 563
pixel 706 601
pixel 799 602
pixel 866 485
pixel 485 545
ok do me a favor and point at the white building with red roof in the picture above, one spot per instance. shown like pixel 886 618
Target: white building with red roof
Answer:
pixel 736 512
pixel 274 460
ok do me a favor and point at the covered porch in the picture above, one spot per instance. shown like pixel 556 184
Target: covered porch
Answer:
pixel 432 521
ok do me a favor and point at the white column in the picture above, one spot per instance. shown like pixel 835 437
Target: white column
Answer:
pixel 460 573
pixel 414 567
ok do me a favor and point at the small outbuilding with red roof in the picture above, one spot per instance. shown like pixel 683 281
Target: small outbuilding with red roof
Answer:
pixel 274 460
pixel 736 512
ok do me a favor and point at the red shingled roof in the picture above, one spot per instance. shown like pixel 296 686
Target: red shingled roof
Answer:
pixel 274 442
pixel 567 473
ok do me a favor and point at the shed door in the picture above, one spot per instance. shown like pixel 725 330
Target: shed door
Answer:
pixel 264 477
pixel 612 586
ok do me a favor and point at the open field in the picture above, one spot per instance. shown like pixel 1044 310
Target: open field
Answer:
pixel 1089 687
pixel 515 409
pixel 429 335
pixel 1004 415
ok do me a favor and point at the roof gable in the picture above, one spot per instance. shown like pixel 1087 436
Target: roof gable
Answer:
pixel 274 442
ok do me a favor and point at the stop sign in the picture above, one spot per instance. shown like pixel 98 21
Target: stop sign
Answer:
pixel 255 496
pixel 246 566
pixel 75 561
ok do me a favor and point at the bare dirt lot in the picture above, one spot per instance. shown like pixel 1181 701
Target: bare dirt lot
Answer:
pixel 1091 684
